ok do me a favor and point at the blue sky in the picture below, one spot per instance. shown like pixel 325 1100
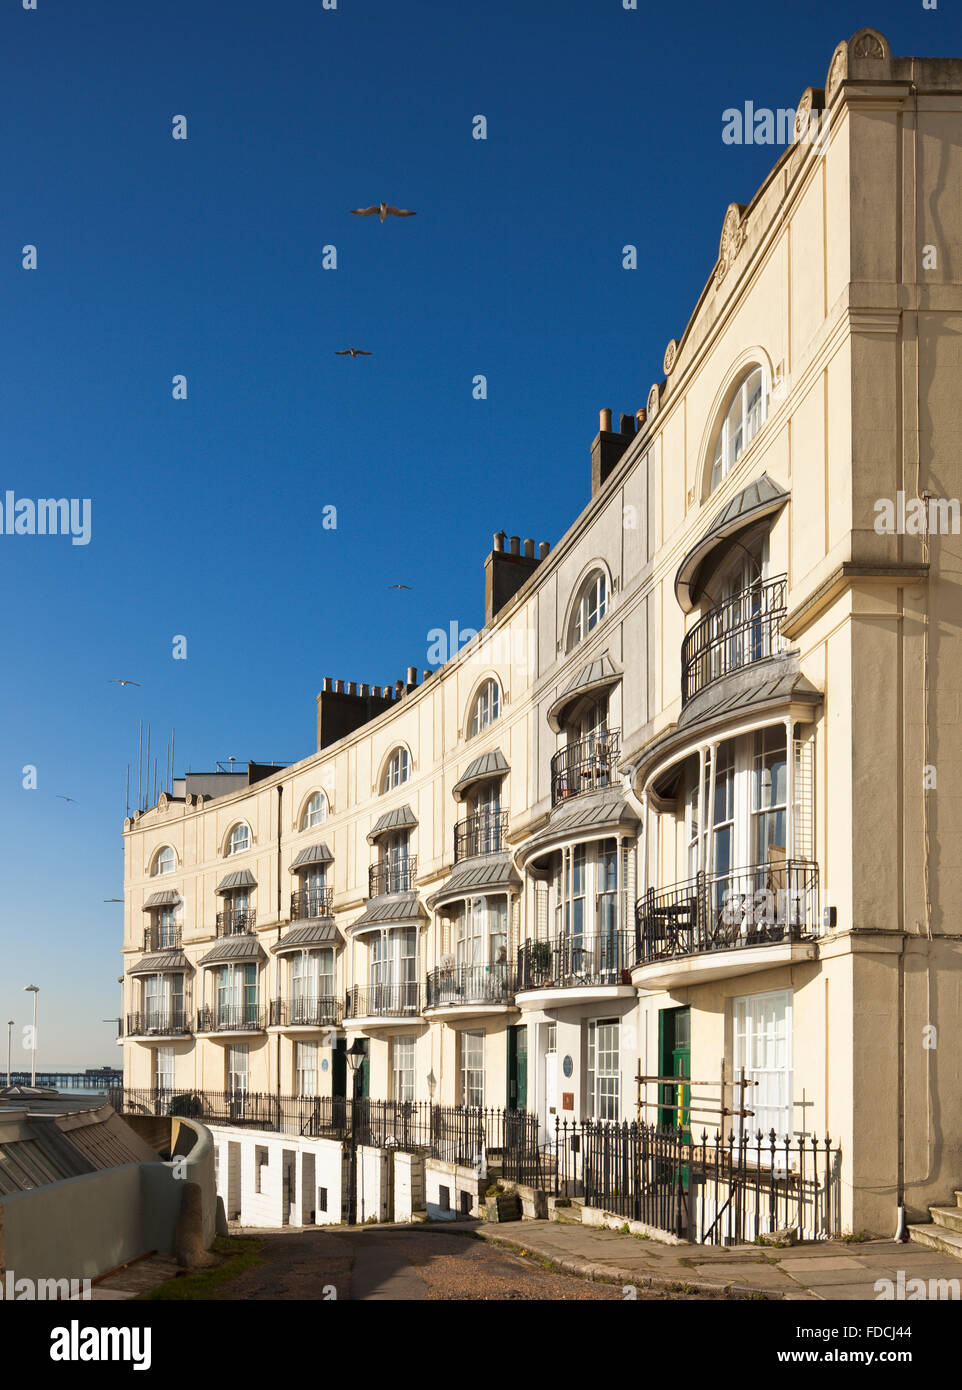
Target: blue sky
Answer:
pixel 203 257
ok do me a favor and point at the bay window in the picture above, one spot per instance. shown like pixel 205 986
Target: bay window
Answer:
pixel 762 1047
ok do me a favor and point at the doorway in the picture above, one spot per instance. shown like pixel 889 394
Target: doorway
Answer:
pixel 518 1067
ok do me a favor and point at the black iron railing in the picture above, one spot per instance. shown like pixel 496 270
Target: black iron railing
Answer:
pixel 482 833
pixel 165 1022
pixel 236 921
pixel 564 962
pixel 759 905
pixel 734 634
pixel 585 765
pixel 234 1018
pixel 713 1190
pixel 158 937
pixel 310 903
pixel 469 984
pixel 392 876
pixel 401 1000
pixel 321 1011
pixel 455 1133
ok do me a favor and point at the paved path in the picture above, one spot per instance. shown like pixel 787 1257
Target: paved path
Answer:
pixel 828 1270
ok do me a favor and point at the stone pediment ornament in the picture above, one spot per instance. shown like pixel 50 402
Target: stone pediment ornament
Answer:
pixel 732 238
pixel 837 71
pixel 671 352
pixel 812 99
pixel 652 406
pixel 868 43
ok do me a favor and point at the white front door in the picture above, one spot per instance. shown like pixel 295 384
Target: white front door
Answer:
pixel 549 1088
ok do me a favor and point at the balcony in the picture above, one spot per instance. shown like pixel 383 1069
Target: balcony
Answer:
pixel 580 966
pixel 310 904
pixel 465 990
pixel 733 635
pixel 392 877
pixel 482 833
pixel 728 924
pixel 230 1018
pixel 159 937
pixel 387 1001
pixel 317 1011
pixel 585 765
pixel 236 922
pixel 160 1023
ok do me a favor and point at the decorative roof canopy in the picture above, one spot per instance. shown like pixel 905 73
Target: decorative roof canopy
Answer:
pixel 397 910
pixel 588 817
pixel 240 878
pixel 401 818
pixel 314 854
pixel 489 874
pixel 493 764
pixel 235 948
pixel 161 963
pixel 301 938
pixel 167 898
pixel 761 498
pixel 600 674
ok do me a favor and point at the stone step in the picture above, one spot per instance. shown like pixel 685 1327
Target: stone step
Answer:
pixel 950 1218
pixel 938 1238
pixel 958 1199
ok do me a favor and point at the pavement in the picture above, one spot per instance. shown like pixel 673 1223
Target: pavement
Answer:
pixel 824 1271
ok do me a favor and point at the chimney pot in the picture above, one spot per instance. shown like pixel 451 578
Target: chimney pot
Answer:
pixel 641 416
pixel 363 689
pixel 515 544
pixel 428 673
pixel 529 548
pixel 543 549
pixel 605 420
pixel 352 688
pixel 412 675
pixel 398 688
pixel 627 424
pixel 326 683
pixel 339 687
pixel 499 540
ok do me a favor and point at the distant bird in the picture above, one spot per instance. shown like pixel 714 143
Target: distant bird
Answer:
pixel 399 586
pixel 111 900
pixel 61 797
pixel 120 682
pixel 383 210
pixel 353 352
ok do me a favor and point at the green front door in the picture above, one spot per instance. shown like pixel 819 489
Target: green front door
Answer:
pixel 518 1067
pixel 674 1048
pixel 339 1068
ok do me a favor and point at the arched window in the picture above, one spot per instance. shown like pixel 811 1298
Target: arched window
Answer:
pixel 397 771
pixel 239 839
pixel 487 707
pixel 591 607
pixel 315 812
pixel 165 861
pixel 743 420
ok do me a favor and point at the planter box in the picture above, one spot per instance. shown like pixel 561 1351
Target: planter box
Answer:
pixel 505 1207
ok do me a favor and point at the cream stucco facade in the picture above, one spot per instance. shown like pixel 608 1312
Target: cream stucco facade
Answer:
pixel 710 826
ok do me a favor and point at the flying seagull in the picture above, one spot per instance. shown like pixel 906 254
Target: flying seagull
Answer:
pixel 111 900
pixel 399 586
pixel 382 210
pixel 61 797
pixel 352 352
pixel 120 682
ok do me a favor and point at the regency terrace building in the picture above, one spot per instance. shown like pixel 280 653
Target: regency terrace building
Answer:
pixel 689 804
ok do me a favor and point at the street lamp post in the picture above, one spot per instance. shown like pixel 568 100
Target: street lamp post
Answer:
pixel 35 991
pixel 355 1055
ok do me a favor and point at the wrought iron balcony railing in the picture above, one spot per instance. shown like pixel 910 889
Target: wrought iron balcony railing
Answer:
pixel 230 1018
pixel 158 937
pixel 392 876
pixel 754 906
pixel 162 1022
pixel 482 833
pixel 744 629
pixel 585 765
pixel 318 1011
pixel 469 984
pixel 310 903
pixel 401 1000
pixel 566 962
pixel 236 922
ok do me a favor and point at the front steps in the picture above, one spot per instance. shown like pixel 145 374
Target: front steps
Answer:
pixel 944 1233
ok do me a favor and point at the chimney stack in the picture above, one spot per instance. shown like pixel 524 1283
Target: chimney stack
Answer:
pixel 506 570
pixel 608 447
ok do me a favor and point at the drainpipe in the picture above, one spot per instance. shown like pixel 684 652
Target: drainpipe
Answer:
pixel 277 959
pixel 901 1233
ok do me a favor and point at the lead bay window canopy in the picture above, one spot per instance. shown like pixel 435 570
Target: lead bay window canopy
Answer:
pixel 314 854
pixel 760 499
pixel 401 818
pixel 493 764
pixel 599 674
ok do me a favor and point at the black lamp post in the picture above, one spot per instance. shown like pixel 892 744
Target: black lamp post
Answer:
pixel 355 1056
